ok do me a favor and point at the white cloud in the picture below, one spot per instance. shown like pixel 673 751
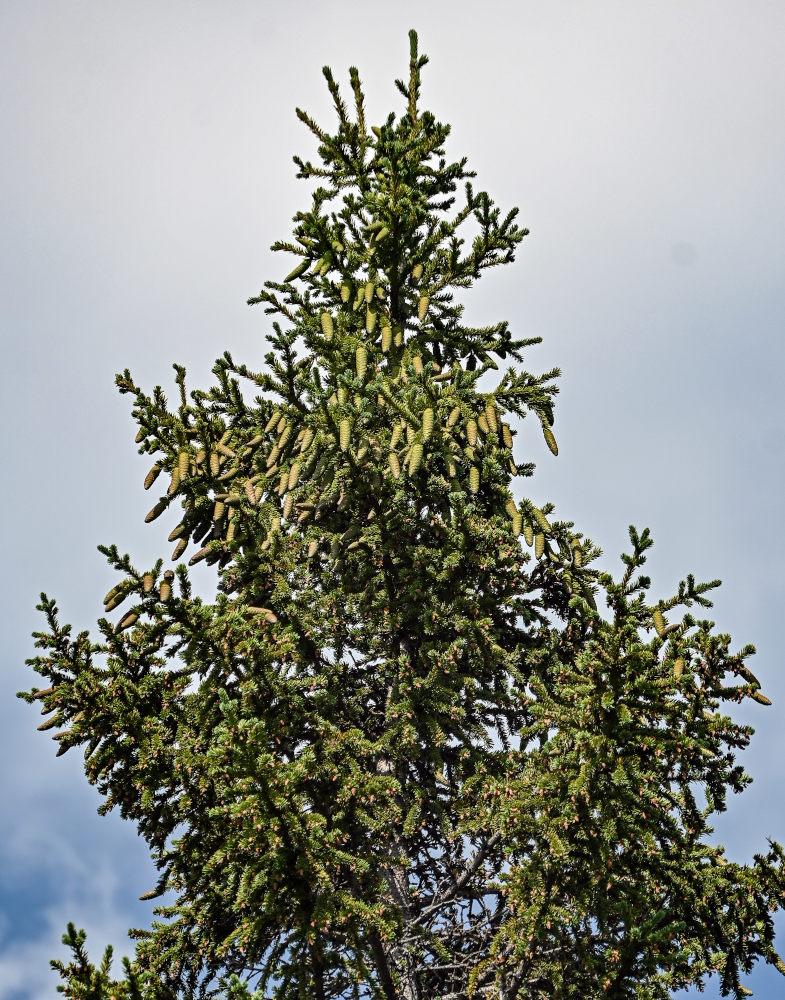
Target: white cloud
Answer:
pixel 88 896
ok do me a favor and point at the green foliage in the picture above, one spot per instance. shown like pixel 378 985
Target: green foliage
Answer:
pixel 399 754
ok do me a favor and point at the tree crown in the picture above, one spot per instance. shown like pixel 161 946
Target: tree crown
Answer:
pixel 400 754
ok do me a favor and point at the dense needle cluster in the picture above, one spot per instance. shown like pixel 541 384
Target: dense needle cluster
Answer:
pixel 402 753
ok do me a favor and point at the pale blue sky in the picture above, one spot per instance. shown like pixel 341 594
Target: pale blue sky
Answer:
pixel 147 168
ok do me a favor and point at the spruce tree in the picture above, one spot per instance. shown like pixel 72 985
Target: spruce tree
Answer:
pixel 404 752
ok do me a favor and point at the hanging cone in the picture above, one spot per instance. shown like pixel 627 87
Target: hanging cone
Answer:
pixel 344 432
pixel 151 476
pixel 159 508
pixel 198 556
pixel 266 613
pixel 130 619
pixel 307 440
pixel 361 360
pixel 541 519
pixel 300 269
pixel 176 532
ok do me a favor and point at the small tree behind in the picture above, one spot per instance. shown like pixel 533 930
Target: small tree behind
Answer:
pixel 400 754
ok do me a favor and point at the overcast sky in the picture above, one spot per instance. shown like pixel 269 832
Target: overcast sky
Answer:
pixel 146 169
